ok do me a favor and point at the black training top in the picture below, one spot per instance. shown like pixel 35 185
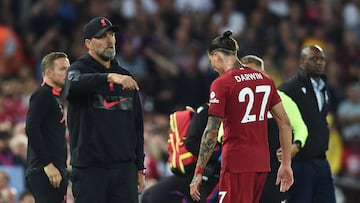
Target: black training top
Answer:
pixel 300 89
pixel 45 128
pixel 105 122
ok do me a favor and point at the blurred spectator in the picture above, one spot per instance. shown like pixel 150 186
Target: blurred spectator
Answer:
pixel 93 8
pixel 156 156
pixel 272 68
pixel 262 30
pixel 48 30
pixel 348 54
pixel 7 158
pixel 334 153
pixel 313 13
pixel 351 16
pixel 315 37
pixel 11 52
pixel 19 147
pixel 228 18
pixel 203 6
pixel 336 87
pixel 26 197
pixel 192 86
pixel 289 67
pixel 351 159
pixel 12 108
pixel 130 8
pixel 18 129
pixel 280 8
pixel 27 85
pixel 8 193
pixel 133 62
pixel 350 176
pixel 163 89
pixel 181 42
pixel 349 113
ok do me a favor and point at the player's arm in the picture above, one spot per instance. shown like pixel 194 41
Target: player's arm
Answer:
pixel 285 175
pixel 297 124
pixel 78 83
pixel 208 141
pixel 139 128
pixel 285 133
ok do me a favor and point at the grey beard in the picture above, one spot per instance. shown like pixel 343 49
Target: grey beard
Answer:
pixel 106 56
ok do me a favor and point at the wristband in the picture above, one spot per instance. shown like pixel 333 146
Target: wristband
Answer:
pixel 199 170
pixel 142 171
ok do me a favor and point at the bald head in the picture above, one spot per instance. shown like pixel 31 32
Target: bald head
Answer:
pixel 312 60
pixel 307 50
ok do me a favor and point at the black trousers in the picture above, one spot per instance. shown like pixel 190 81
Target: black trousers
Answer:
pixel 271 192
pixel 105 185
pixel 176 189
pixel 43 191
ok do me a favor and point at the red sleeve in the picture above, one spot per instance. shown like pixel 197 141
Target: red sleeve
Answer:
pixel 217 99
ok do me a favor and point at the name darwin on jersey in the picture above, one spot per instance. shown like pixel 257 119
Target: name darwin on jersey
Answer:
pixel 248 76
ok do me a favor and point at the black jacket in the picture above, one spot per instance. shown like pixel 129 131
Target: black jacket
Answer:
pixel 45 128
pixel 300 89
pixel 105 122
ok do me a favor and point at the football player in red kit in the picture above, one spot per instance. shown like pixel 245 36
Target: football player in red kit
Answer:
pixel 241 97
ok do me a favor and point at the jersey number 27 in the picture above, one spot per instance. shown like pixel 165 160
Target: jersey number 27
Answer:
pixel 264 90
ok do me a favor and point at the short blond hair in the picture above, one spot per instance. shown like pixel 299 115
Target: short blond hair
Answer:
pixel 257 61
pixel 48 60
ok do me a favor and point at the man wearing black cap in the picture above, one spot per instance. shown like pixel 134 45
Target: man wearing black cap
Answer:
pixel 105 122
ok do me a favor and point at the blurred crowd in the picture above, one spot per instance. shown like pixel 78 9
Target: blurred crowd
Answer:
pixel 163 44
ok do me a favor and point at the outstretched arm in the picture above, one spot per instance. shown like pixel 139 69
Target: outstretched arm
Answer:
pixel 78 83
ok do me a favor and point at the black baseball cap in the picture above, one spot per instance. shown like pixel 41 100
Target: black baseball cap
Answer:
pixel 97 26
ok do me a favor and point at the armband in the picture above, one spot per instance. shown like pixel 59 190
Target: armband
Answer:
pixel 199 170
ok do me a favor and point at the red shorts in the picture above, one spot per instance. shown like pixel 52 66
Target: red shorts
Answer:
pixel 241 187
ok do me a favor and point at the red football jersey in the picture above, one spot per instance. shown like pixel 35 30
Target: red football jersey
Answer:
pixel 242 97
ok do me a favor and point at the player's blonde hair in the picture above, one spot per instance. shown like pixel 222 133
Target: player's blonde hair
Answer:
pixel 252 59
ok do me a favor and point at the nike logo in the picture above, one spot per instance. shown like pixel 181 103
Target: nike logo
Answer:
pixel 111 104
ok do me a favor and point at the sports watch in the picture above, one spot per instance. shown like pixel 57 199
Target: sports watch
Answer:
pixel 298 144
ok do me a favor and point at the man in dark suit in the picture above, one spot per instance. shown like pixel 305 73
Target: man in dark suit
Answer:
pixel 312 175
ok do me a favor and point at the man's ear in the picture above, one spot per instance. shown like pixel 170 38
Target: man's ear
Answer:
pixel 218 56
pixel 87 43
pixel 47 71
